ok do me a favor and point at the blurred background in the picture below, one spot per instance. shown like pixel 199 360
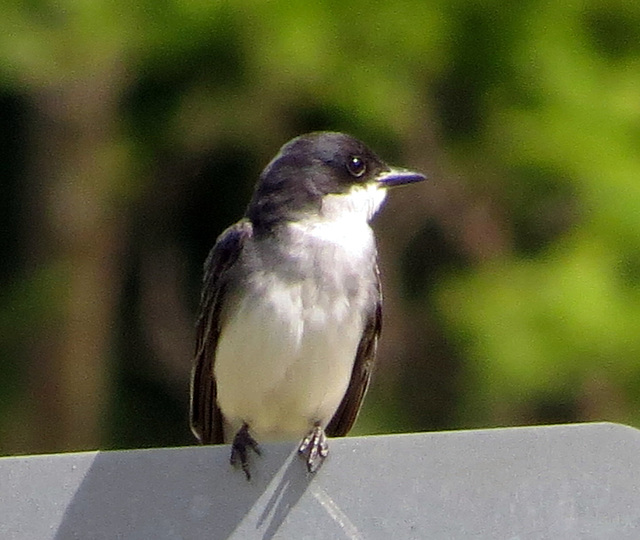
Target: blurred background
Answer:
pixel 132 135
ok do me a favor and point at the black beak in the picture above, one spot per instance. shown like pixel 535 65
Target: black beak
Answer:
pixel 399 177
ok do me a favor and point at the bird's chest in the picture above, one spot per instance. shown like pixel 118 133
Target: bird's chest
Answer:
pixel 321 275
pixel 287 348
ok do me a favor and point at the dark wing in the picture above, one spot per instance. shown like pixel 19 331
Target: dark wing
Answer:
pixel 347 412
pixel 205 416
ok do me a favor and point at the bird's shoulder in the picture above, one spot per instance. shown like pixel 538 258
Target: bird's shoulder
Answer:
pixel 228 245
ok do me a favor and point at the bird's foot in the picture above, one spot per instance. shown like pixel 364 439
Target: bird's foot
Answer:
pixel 314 448
pixel 242 442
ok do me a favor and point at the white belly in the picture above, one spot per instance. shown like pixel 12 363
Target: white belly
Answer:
pixel 285 357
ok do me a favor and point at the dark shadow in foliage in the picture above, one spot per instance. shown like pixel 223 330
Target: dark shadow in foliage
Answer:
pixel 429 256
pixel 613 34
pixel 542 204
pixel 430 380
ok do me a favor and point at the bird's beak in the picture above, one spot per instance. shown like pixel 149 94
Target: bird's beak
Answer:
pixel 395 176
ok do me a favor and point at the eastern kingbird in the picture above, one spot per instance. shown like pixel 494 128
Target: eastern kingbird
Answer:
pixel 290 311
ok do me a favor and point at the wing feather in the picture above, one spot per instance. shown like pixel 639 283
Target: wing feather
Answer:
pixel 205 416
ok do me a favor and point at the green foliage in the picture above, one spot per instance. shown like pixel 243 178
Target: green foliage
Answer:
pixel 543 322
pixel 531 109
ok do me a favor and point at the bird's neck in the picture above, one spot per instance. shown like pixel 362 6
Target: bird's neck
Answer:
pixel 360 203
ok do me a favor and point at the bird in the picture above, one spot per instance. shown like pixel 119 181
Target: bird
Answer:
pixel 291 304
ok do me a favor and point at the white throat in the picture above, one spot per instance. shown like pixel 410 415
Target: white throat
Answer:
pixel 361 202
pixel 343 221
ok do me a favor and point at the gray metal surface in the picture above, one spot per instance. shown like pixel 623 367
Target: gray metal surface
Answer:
pixel 564 482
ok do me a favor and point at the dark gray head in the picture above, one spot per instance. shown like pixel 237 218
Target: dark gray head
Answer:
pixel 312 167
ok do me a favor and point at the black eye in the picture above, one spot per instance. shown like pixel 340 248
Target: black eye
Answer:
pixel 356 166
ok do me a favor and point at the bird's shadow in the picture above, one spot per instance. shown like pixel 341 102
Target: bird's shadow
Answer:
pixel 286 493
pixel 183 493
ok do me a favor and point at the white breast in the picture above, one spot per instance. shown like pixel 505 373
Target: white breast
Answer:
pixel 287 348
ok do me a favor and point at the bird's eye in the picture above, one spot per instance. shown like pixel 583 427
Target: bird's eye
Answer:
pixel 356 166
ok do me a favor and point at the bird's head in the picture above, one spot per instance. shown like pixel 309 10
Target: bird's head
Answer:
pixel 323 175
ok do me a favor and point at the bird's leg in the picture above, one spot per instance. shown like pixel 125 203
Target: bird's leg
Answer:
pixel 314 448
pixel 241 443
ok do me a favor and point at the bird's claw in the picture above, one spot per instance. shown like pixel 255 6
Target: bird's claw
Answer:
pixel 239 449
pixel 314 448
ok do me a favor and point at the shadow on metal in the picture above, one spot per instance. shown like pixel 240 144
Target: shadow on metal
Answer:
pixel 137 495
